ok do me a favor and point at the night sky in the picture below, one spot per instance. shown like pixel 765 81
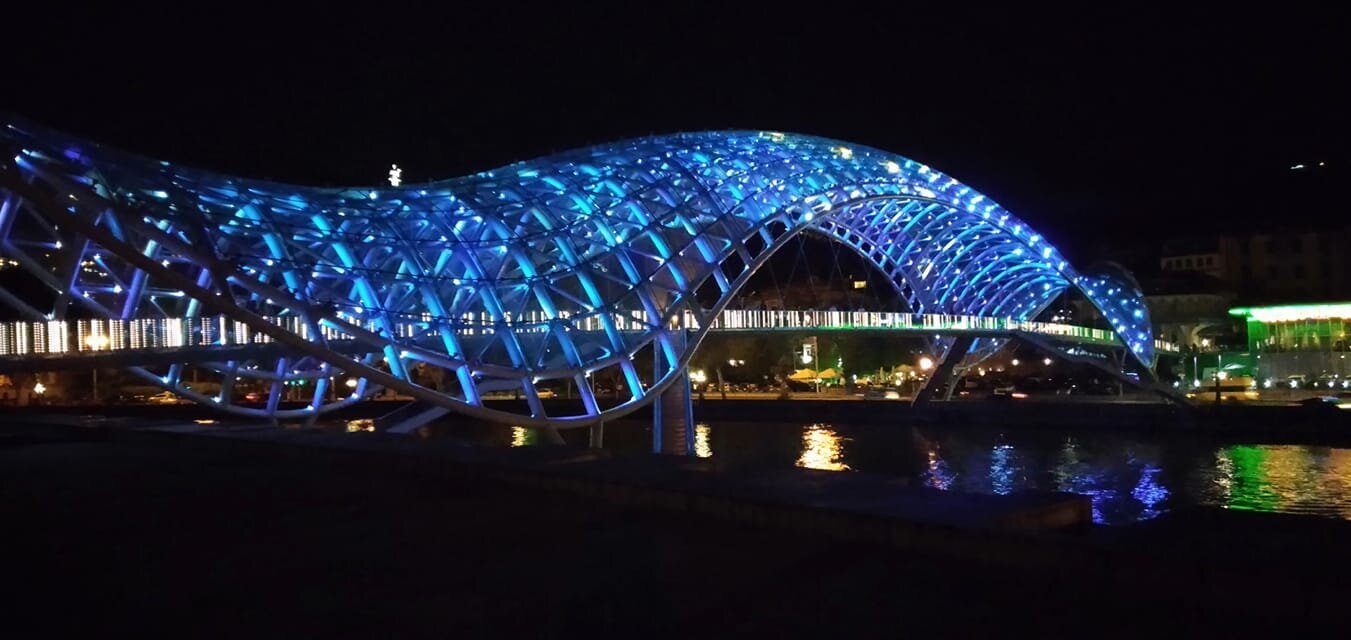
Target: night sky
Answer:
pixel 1088 125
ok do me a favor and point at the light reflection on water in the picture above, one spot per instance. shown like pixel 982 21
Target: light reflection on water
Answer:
pixel 1127 476
pixel 702 447
pixel 1003 469
pixel 822 448
pixel 523 437
pixel 356 426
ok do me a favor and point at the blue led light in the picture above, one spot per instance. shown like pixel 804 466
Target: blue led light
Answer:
pixel 603 247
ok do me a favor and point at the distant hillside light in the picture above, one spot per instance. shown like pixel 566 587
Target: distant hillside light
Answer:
pixel 395 175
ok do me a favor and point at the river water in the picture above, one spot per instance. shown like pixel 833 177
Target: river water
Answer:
pixel 1128 476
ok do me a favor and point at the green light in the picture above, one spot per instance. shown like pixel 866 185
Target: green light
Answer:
pixel 1293 312
pixel 1250 489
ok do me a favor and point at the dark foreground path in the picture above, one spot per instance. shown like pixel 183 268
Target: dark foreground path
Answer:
pixel 185 537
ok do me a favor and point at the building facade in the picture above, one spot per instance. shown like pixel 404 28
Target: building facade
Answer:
pixel 1299 344
pixel 1272 267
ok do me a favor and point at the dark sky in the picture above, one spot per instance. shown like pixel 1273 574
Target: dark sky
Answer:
pixel 1086 124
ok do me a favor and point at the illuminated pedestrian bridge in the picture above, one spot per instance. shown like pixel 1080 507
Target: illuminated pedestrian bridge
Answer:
pixel 543 271
pixel 23 344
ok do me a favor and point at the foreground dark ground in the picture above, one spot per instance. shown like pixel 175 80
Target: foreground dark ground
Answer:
pixel 186 537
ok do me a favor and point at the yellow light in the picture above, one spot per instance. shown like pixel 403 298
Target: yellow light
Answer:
pixel 926 363
pixel 519 436
pixel 351 383
pixel 39 388
pixel 702 449
pixel 357 426
pixel 96 342
pixel 844 152
pixel 1046 361
pixel 822 448
pixel 892 167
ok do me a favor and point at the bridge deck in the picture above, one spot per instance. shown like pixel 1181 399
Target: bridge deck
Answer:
pixel 61 344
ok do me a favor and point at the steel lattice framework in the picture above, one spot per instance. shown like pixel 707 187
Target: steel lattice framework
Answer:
pixel 544 270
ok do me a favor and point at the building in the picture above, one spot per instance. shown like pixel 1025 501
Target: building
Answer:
pixel 1270 267
pixel 1300 344
pixel 1211 264
pixel 1194 320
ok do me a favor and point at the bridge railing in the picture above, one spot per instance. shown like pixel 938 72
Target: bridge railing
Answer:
pixel 94 335
pixel 751 320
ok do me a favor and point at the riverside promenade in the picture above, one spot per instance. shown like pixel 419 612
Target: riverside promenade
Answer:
pixel 199 530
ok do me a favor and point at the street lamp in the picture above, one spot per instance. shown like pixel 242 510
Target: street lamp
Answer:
pixel 351 383
pixel 1014 362
pixel 926 363
pixel 1046 361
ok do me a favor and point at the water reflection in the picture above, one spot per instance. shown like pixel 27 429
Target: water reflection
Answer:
pixel 822 448
pixel 357 426
pixel 937 475
pixel 1295 479
pixel 1128 477
pixel 523 437
pixel 1002 469
pixel 702 449
pixel 1149 492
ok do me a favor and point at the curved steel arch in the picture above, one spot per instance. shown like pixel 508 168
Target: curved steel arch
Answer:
pixel 548 269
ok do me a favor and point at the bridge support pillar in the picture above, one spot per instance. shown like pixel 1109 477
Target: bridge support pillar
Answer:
pixel 673 419
pixel 597 435
pixel 939 382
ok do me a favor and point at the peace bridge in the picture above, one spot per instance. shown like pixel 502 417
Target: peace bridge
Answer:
pixel 515 279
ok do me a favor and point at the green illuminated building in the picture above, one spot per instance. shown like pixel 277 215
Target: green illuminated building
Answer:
pixel 1307 342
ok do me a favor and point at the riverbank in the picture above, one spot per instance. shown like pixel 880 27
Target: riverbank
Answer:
pixel 350 536
pixel 1264 424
